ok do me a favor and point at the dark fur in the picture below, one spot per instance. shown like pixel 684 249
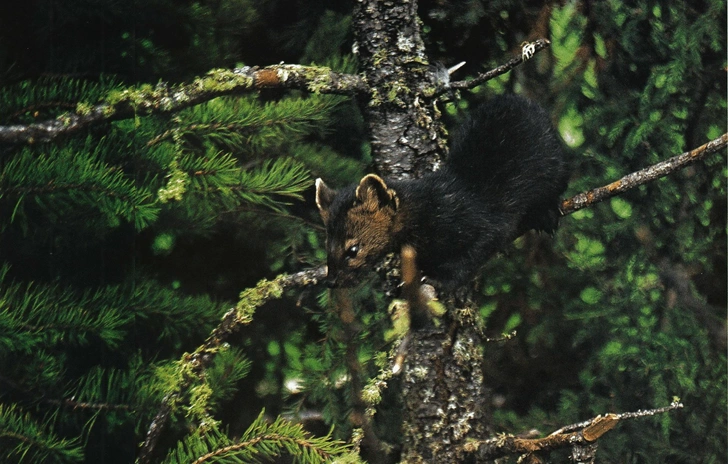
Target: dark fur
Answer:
pixel 505 175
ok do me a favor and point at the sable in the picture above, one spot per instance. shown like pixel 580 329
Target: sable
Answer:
pixel 505 175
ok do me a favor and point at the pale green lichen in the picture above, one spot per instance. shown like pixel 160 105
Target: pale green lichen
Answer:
pixel 318 79
pixel 252 298
pixel 436 308
pixel 375 99
pixel 371 394
pixel 223 80
pixel 378 57
pixel 83 109
pixel 140 97
pixel 357 435
pixel 395 91
pixel 428 90
pixel 400 315
pixel 419 372
pixel 198 410
pixel 176 185
pixel 108 110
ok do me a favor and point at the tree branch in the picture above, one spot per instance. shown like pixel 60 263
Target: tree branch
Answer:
pixel 635 179
pixel 147 100
pixel 581 436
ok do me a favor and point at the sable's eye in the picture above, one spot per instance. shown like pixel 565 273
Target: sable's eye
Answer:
pixel 351 252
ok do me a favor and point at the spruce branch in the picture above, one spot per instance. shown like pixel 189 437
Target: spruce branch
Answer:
pixel 643 176
pixel 160 99
pixel 33 314
pixel 262 440
pixel 581 437
pixel 22 437
pixel 33 180
pixel 191 366
pixel 245 125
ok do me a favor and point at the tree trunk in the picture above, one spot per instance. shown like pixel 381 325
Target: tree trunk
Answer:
pixel 444 396
pixel 403 123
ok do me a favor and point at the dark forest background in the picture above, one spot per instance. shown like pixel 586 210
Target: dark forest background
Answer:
pixel 108 274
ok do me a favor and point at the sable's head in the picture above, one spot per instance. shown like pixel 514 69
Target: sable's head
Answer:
pixel 359 225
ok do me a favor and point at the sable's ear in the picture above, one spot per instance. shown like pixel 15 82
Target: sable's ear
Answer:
pixel 374 193
pixel 324 197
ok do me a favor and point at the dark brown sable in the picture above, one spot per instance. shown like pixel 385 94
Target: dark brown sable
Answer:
pixel 505 175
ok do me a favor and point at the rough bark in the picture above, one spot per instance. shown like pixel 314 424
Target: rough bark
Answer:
pixel 444 394
pixel 402 120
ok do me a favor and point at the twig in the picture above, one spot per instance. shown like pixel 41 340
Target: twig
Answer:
pixel 412 290
pixel 73 404
pixel 417 309
pixel 147 100
pixel 635 179
pixel 528 51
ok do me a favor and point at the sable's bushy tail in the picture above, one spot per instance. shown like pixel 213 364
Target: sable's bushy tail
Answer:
pixel 509 152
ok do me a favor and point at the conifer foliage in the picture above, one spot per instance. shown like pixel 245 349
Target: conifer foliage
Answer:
pixel 91 327
pixel 159 269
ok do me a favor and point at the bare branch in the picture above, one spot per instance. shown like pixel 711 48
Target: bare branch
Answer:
pixel 635 179
pixel 582 437
pixel 527 52
pixel 311 276
pixel 147 100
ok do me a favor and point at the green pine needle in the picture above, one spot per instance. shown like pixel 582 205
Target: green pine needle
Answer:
pixel 217 178
pixel 262 441
pixel 34 315
pixel 67 183
pixel 244 125
pixel 22 439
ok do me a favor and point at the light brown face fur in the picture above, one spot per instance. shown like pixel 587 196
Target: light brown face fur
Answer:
pixel 369 229
pixel 359 231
